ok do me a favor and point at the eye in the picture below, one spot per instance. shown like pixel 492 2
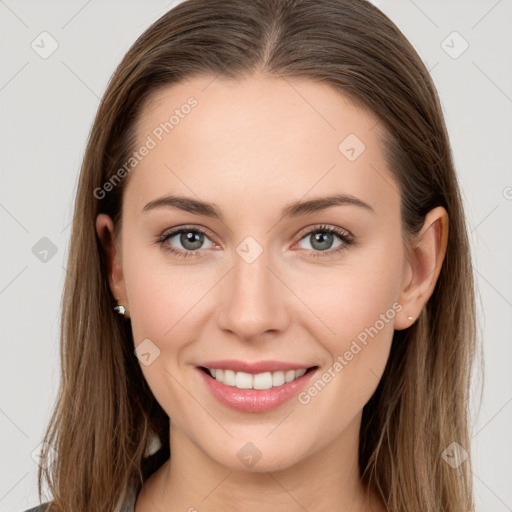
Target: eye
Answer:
pixel 322 238
pixel 190 239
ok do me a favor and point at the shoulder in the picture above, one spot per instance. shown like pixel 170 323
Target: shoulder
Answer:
pixel 127 506
pixel 44 507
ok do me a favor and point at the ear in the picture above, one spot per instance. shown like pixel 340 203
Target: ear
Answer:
pixel 422 267
pixel 105 230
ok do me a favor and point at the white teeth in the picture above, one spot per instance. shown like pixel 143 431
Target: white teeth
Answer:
pixel 289 375
pixel 266 380
pixel 243 380
pixel 262 381
pixel 229 378
pixel 277 378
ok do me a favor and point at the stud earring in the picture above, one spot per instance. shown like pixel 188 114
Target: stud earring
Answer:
pixel 410 318
pixel 120 308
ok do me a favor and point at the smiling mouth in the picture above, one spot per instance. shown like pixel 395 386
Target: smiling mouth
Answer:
pixel 265 380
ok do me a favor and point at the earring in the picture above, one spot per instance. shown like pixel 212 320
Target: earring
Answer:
pixel 120 309
pixel 410 318
pixel 154 444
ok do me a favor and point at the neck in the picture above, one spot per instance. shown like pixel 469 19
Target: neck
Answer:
pixel 322 481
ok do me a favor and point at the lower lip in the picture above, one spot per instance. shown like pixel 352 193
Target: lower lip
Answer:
pixel 255 400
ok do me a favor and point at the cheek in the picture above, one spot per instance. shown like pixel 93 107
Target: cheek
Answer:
pixel 167 307
pixel 162 295
pixel 355 297
pixel 163 303
pixel 356 312
pixel 350 313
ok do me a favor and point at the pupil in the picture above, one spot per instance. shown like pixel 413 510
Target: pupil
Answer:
pixel 325 240
pixel 191 237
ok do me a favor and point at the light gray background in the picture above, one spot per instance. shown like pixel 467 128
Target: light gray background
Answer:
pixel 47 107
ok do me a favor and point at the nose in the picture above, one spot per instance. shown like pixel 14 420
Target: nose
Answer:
pixel 254 302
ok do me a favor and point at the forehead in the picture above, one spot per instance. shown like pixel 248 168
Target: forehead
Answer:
pixel 281 112
pixel 259 138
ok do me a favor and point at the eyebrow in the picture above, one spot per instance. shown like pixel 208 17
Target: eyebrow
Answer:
pixel 294 209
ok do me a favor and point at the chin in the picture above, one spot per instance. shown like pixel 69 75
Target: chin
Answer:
pixel 258 456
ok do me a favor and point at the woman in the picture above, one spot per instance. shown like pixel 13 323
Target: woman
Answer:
pixel 269 299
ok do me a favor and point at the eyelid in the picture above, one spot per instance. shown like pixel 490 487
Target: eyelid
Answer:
pixel 192 227
pixel 169 233
pixel 345 236
pixel 301 234
pixel 320 227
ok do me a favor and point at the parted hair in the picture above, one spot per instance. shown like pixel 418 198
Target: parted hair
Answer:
pixel 105 414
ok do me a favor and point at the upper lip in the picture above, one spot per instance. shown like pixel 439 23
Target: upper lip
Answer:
pixel 254 367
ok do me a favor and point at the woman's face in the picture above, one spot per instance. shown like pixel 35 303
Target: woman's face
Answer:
pixel 268 288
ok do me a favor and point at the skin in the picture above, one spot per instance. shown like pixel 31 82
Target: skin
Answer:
pixel 251 147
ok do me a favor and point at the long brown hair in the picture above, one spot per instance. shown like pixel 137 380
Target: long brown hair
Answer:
pixel 105 413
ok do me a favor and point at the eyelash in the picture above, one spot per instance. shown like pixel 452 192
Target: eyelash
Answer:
pixel 342 234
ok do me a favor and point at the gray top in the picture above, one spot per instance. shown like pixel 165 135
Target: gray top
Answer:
pixel 128 504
